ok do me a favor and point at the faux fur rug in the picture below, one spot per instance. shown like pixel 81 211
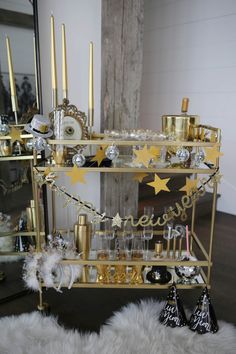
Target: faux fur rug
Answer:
pixel 133 330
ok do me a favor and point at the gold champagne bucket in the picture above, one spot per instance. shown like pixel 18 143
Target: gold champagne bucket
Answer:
pixel 180 126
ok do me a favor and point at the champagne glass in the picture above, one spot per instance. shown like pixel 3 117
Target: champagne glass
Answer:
pixel 127 232
pixel 109 235
pixel 147 233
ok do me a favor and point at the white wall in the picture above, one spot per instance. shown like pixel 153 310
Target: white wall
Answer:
pixel 190 51
pixel 82 19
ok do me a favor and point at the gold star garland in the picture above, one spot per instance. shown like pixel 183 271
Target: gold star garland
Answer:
pixel 179 209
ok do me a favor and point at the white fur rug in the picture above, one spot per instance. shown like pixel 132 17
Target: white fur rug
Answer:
pixel 133 330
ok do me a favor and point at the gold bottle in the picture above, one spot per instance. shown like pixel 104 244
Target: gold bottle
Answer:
pixel 82 241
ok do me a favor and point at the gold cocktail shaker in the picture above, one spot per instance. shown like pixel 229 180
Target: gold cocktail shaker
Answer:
pixel 82 241
pixel 180 126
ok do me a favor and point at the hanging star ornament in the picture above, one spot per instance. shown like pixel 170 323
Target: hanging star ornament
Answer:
pixel 15 135
pixel 159 184
pixel 190 186
pixel 155 150
pixel 139 177
pixel 212 154
pixel 100 156
pixel 117 221
pixel 47 171
pixel 143 156
pixel 77 175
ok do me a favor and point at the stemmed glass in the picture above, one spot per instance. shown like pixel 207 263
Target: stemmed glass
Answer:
pixel 147 233
pixel 109 235
pixel 127 232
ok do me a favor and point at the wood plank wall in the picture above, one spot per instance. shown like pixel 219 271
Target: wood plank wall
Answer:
pixel 122 54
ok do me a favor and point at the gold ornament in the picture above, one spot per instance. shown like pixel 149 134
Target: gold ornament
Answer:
pixel 143 156
pixel 77 175
pixel 159 184
pixel 15 135
pixel 212 154
pixel 140 176
pixel 117 221
pixel 190 186
pixel 100 155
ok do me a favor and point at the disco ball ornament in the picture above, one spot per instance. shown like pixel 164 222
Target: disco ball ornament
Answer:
pixel 182 154
pixel 199 157
pixel 112 152
pixel 187 273
pixel 4 129
pixel 78 160
pixel 29 145
pixel 39 144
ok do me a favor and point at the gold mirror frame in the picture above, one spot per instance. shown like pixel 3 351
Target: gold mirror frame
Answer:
pixel 72 111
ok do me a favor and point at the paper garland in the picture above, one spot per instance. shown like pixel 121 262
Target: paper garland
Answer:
pixel 179 209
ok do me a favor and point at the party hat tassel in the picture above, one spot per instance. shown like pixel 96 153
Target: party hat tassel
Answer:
pixel 173 314
pixel 203 319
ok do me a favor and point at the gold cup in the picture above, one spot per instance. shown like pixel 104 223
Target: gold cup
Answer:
pixel 5 148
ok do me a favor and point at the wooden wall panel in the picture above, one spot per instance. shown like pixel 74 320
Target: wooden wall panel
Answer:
pixel 122 54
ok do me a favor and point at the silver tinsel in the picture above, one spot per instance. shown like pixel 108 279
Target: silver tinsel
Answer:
pixel 182 154
pixel 112 152
pixel 40 144
pixel 78 160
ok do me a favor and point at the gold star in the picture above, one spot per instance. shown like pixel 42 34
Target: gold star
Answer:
pixel 155 150
pixel 100 155
pixel 160 184
pixel 143 156
pixel 15 135
pixel 117 221
pixel 47 171
pixel 140 176
pixel 212 154
pixel 77 175
pixel 190 186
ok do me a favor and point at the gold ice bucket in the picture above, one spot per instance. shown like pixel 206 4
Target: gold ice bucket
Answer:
pixel 180 126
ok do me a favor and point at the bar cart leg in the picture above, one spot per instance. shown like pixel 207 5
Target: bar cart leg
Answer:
pixel 43 307
pixel 213 213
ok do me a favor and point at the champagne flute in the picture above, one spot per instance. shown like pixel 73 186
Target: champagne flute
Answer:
pixel 147 233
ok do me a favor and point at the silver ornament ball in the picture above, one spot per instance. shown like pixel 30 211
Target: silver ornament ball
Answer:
pixel 112 152
pixel 182 154
pixel 199 157
pixel 39 144
pixel 29 145
pixel 187 273
pixel 4 129
pixel 78 160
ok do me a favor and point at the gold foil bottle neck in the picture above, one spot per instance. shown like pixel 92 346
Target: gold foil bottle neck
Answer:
pixel 184 107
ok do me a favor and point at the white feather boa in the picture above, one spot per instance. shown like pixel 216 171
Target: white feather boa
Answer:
pixel 46 267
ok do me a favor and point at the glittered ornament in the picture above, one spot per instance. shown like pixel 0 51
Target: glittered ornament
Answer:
pixel 173 314
pixel 78 160
pixel 187 273
pixel 112 152
pixel 203 320
pixel 40 144
pixel 159 275
pixel 182 154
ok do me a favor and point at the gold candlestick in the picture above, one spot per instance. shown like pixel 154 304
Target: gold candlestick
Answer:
pixel 91 88
pixel 36 74
pixel 53 65
pixel 12 79
pixel 64 65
